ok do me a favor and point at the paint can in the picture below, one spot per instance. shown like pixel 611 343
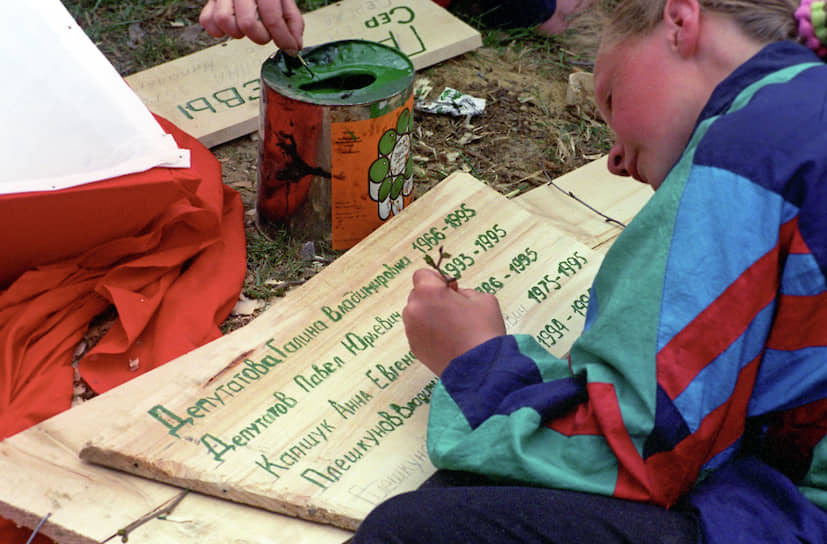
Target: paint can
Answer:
pixel 335 131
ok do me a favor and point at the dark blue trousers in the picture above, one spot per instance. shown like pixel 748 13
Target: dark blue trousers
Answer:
pixel 514 13
pixel 460 508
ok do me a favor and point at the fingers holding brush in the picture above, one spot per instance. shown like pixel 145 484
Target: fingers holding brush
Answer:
pixel 262 21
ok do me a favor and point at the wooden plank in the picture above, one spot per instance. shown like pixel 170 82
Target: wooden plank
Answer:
pixel 616 196
pixel 321 412
pixel 42 473
pixel 214 94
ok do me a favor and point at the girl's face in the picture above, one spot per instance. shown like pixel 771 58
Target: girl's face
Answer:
pixel 647 95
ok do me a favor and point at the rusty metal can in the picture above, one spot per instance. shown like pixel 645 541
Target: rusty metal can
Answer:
pixel 335 131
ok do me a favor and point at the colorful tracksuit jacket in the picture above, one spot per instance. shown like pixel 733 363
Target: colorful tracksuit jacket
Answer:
pixel 701 375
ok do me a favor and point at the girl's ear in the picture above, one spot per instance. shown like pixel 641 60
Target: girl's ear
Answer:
pixel 683 24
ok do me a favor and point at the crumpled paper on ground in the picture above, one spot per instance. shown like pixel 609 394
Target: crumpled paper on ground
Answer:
pixel 452 102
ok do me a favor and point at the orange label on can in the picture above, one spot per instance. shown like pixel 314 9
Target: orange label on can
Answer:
pixel 372 173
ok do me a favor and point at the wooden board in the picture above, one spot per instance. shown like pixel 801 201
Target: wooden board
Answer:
pixel 618 197
pixel 214 94
pixel 87 504
pixel 322 413
pixel 42 473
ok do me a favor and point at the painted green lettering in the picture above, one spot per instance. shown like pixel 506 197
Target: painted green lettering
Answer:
pixel 216 446
pixel 268 465
pixel 409 11
pixel 230 97
pixel 169 420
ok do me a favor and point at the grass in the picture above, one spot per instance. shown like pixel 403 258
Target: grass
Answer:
pixel 138 34
pixel 275 263
pixel 153 31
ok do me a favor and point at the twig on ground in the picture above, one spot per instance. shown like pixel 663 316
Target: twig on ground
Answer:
pixel 163 510
pixel 570 194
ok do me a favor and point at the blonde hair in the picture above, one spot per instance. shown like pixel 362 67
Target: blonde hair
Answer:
pixel 763 20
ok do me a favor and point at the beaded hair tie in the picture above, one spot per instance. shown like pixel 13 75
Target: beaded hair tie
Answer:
pixel 812 25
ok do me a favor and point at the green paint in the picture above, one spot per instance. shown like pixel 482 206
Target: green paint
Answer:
pixel 347 72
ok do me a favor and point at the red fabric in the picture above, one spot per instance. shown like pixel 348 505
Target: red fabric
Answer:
pixel 166 247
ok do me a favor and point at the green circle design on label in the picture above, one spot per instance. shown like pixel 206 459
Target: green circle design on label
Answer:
pixel 379 170
pixel 387 142
pixel 391 174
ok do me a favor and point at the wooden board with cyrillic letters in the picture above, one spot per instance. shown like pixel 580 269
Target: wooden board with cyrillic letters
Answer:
pixel 324 415
pixel 86 503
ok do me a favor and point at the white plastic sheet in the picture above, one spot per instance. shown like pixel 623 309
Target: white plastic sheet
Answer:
pixel 66 115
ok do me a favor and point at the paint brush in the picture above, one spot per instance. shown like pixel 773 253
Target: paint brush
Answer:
pixel 304 63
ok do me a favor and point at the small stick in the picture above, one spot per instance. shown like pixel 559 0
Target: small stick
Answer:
pixel 304 63
pixel 569 193
pixel 449 281
pixel 36 529
pixel 163 510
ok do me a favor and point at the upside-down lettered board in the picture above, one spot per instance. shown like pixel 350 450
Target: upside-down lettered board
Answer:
pixel 322 413
pixel 213 94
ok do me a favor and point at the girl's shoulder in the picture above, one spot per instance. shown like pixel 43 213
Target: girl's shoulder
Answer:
pixel 771 127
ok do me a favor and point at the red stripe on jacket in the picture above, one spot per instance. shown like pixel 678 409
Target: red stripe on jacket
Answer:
pixel 724 321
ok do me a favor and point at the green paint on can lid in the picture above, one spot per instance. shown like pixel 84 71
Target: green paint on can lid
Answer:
pixel 346 72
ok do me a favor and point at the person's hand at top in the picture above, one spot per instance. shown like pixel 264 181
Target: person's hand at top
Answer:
pixel 260 20
pixel 564 11
pixel 443 323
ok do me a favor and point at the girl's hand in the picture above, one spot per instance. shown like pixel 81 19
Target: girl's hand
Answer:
pixel 442 323
pixel 260 20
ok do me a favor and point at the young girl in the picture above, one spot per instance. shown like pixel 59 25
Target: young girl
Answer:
pixel 693 408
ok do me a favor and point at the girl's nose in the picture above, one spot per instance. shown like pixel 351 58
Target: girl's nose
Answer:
pixel 617 160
